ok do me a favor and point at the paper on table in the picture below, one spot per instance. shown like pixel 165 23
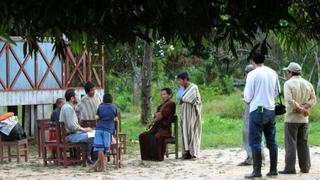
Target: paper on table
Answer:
pixel 91 134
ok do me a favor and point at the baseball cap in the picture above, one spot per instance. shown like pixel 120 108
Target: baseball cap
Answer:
pixel 293 67
pixel 249 68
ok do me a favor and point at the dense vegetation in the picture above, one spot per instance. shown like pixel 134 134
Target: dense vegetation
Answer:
pixel 150 42
pixel 218 34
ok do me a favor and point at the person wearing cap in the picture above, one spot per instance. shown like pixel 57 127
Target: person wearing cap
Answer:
pixel 262 87
pixel 299 96
pixel 89 103
pixel 190 102
pixel 245 134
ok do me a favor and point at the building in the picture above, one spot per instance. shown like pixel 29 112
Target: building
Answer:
pixel 32 82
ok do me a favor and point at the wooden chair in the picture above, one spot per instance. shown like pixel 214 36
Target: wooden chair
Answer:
pixel 77 151
pixel 88 123
pixel 92 124
pixel 39 122
pixel 21 146
pixel 115 149
pixel 45 143
pixel 174 139
pixel 122 136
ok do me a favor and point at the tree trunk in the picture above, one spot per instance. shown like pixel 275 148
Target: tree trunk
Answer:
pixel 134 88
pixel 134 79
pixel 318 73
pixel 146 82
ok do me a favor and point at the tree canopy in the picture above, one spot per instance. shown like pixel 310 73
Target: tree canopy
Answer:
pixel 86 22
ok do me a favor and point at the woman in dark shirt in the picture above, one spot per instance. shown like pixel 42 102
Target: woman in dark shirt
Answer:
pixel 152 146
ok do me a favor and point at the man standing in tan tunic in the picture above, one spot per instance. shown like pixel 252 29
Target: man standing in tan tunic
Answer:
pixel 190 101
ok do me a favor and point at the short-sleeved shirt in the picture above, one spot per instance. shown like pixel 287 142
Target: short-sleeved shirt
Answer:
pixel 180 93
pixel 262 87
pixel 106 112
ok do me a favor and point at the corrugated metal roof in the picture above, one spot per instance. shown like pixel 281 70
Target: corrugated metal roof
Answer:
pixel 36 97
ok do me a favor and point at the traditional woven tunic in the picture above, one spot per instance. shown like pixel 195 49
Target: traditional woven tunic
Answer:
pixel 88 107
pixel 191 119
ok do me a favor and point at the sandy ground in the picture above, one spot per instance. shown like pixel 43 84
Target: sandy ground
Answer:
pixel 214 164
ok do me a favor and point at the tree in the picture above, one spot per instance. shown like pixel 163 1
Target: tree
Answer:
pixel 127 59
pixel 190 21
pixel 106 21
pixel 146 80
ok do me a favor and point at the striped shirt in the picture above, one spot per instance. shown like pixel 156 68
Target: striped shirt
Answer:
pixel 88 107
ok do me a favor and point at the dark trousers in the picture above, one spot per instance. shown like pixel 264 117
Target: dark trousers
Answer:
pixel 296 140
pixel 262 122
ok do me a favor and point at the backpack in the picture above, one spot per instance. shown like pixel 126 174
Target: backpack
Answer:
pixel 17 133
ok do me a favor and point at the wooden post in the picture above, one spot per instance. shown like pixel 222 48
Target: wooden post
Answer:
pixel 33 119
pixel 47 111
pixel 43 111
pixel 27 119
pixel 39 114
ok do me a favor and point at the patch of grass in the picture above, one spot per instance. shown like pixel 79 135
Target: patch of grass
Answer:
pixel 217 131
pixel 225 106
pixel 220 132
pixel 133 127
pixel 315 113
pixel 221 124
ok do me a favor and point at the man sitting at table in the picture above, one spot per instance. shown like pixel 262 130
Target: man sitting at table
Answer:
pixel 75 132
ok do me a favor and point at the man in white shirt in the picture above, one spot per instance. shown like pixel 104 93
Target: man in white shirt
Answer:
pixel 262 87
pixel 245 134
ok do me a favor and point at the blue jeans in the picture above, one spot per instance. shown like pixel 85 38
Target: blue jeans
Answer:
pixel 102 141
pixel 246 130
pixel 262 122
pixel 81 137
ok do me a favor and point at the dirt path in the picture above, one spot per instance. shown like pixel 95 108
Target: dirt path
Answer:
pixel 214 164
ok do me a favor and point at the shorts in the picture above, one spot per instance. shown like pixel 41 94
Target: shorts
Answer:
pixel 102 141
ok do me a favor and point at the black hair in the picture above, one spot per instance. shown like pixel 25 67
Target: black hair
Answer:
pixel 183 76
pixel 258 58
pixel 107 98
pixel 167 90
pixel 89 85
pixel 59 101
pixel 295 73
pixel 69 94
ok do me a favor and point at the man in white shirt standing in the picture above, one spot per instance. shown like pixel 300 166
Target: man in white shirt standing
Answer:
pixel 245 134
pixel 262 87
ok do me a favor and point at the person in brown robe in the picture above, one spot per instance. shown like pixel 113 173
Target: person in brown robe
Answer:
pixel 152 146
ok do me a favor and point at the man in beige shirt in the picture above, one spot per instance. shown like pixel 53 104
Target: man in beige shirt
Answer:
pixel 300 97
